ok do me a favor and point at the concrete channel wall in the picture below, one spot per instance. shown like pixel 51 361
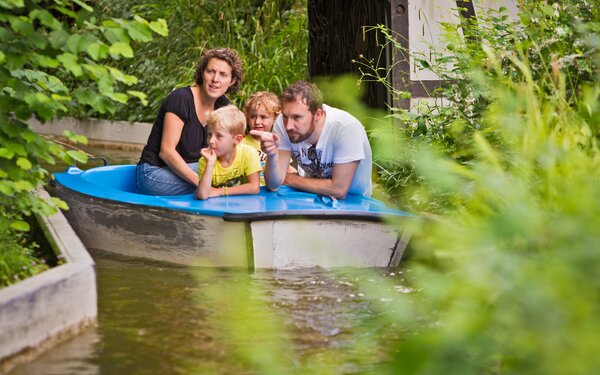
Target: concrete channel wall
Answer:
pixel 43 310
pixel 114 134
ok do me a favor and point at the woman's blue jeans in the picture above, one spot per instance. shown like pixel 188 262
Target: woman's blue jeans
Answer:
pixel 153 180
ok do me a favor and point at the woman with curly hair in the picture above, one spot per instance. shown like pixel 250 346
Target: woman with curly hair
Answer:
pixel 169 161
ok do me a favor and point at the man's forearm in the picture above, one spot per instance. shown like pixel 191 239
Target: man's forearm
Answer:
pixel 323 186
pixel 273 176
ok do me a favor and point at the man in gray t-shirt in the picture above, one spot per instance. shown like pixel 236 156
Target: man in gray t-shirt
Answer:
pixel 329 145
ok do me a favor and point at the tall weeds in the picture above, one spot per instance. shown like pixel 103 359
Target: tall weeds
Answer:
pixel 547 38
pixel 506 272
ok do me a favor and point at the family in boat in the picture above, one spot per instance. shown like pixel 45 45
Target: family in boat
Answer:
pixel 199 146
pixel 199 143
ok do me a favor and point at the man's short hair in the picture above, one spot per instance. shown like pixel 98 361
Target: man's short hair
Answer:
pixel 227 118
pixel 307 92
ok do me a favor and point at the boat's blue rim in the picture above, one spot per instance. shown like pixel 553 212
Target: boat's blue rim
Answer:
pixel 329 215
pixel 296 204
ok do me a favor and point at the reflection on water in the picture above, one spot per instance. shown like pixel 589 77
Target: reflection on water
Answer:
pixel 67 358
pixel 155 319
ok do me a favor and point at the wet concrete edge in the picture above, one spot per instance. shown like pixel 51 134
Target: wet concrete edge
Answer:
pixel 43 310
pixel 103 133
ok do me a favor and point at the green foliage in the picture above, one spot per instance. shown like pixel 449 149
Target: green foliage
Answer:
pixel 506 272
pixel 55 56
pixel 18 258
pixel 548 38
pixel 270 35
pixel 508 275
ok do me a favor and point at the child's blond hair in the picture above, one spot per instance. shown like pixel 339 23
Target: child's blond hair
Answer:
pixel 228 118
pixel 266 99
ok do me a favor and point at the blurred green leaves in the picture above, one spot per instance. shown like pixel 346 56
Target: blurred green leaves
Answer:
pixel 507 270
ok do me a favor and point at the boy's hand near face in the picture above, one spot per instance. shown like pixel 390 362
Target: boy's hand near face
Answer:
pixel 209 154
pixel 205 189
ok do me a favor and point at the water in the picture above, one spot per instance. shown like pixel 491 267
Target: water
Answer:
pixel 159 319
pixel 162 319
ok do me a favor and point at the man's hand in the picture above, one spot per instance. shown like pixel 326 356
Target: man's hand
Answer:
pixel 209 154
pixel 337 186
pixel 269 142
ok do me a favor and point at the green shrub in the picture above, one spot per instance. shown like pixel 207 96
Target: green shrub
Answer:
pixel 17 262
pixel 548 38
pixel 18 258
pixel 507 272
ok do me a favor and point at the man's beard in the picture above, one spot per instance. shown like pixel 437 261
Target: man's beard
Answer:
pixel 298 137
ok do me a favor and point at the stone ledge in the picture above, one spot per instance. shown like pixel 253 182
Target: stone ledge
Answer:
pixel 116 134
pixel 47 308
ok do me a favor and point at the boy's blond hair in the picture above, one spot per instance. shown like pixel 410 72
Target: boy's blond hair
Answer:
pixel 266 99
pixel 228 118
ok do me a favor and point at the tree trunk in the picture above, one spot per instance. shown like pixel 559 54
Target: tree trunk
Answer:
pixel 336 38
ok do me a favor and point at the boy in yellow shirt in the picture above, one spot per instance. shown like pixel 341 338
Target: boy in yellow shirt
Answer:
pixel 227 167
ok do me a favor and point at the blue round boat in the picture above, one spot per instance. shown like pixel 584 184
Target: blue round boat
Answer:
pixel 281 230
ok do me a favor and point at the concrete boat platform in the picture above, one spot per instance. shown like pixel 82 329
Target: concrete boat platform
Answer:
pixel 45 309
